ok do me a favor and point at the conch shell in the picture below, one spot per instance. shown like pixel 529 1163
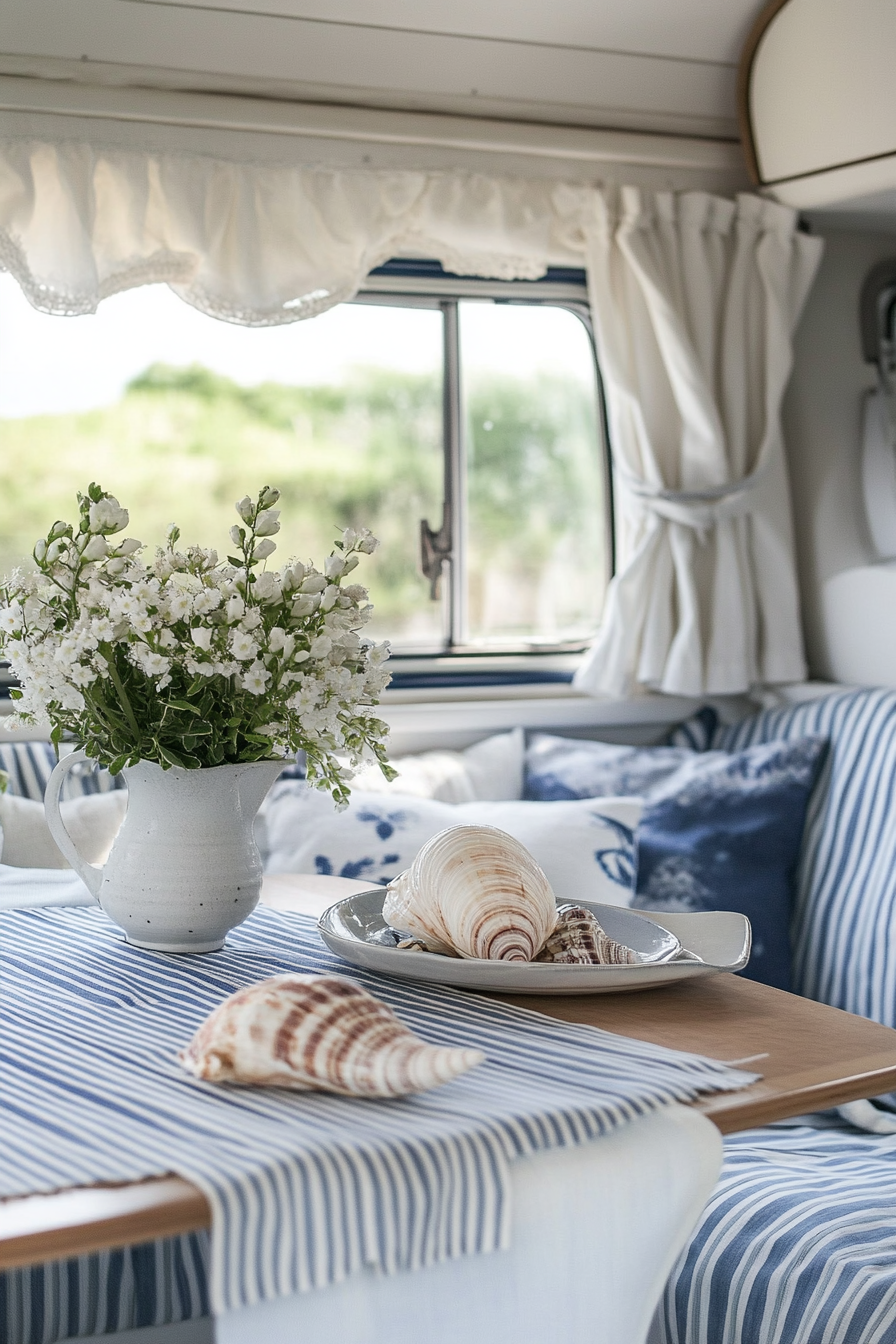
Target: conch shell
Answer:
pixel 580 940
pixel 474 891
pixel 322 1033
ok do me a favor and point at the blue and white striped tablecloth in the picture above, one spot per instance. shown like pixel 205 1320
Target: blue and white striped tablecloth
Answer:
pixel 304 1188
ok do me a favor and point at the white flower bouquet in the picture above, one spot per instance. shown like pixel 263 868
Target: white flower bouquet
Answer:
pixel 190 661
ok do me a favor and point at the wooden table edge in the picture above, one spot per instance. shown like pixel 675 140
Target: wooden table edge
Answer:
pixel 87 1219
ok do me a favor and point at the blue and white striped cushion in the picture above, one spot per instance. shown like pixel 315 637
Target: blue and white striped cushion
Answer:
pixel 155 1284
pixel 29 766
pixel 844 929
pixel 797 1245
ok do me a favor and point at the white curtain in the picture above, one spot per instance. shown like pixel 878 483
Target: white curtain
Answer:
pixel 695 300
pixel 259 244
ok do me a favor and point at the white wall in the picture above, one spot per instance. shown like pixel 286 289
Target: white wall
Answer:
pixel 848 641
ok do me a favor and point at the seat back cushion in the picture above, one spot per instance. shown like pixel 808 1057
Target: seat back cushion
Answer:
pixel 844 925
pixel 721 830
pixel 29 765
pixel 586 848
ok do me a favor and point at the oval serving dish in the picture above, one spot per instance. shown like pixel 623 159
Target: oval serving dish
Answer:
pixel 715 942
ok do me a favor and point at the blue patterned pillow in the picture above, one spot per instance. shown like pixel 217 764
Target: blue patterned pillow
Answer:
pixel 720 831
pixel 562 768
pixel 724 833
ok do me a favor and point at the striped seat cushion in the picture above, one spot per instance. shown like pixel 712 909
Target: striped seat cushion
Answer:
pixel 798 1243
pixel 844 928
pixel 150 1285
pixel 796 1246
pixel 29 765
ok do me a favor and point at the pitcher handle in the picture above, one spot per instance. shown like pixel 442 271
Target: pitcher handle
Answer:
pixel 89 873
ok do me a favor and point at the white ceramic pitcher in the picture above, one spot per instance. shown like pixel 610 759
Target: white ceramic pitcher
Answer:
pixel 184 868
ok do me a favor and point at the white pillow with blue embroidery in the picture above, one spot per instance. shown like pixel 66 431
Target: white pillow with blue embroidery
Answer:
pixel 586 848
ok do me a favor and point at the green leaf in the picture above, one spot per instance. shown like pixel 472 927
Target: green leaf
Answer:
pixel 170 757
pixel 184 705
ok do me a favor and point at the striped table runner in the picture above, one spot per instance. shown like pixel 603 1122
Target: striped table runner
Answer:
pixel 304 1188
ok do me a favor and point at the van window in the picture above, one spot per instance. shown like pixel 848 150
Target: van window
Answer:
pixel 465 429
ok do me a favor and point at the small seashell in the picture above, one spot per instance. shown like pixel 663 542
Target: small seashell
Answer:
pixel 474 891
pixel 580 940
pixel 322 1033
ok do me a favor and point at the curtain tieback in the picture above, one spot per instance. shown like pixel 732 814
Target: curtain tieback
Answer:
pixel 699 509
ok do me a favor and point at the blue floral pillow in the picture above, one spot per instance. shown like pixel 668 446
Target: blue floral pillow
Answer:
pixel 561 768
pixel 720 831
pixel 724 833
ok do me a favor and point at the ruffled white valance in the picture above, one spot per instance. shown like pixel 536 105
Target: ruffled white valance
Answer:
pixel 695 300
pixel 257 244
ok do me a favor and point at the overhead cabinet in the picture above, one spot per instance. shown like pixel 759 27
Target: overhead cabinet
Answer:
pixel 817 108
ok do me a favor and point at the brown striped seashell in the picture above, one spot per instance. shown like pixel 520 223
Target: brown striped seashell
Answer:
pixel 474 891
pixel 318 1033
pixel 580 940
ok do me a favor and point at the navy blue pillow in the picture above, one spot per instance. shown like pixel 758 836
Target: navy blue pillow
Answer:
pixel 724 833
pixel 721 831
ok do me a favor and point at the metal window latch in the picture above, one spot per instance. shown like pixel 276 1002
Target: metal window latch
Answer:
pixel 435 549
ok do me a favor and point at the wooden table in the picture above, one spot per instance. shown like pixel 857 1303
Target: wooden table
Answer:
pixel 811 1057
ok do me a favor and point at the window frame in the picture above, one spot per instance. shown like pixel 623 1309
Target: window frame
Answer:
pixel 423 283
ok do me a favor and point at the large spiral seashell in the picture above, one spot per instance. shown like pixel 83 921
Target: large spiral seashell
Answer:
pixel 476 891
pixel 580 940
pixel 322 1033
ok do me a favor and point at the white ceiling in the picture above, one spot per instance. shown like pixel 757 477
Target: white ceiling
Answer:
pixel 656 65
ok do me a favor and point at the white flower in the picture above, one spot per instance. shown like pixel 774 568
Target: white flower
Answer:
pixel 107 515
pixel 328 597
pixel 201 637
pixel 154 664
pixel 255 679
pixel 237 535
pixel 321 646
pixel 305 698
pixel 129 546
pixel 235 607
pixel 242 645
pixel 251 620
pixel 334 565
pixel 304 606
pixel 263 549
pixel 96 549
pixel 208 600
pixel 367 542
pixel 11 618
pixel 266 524
pixel 315 583
pixel 355 592
pixel 280 642
pixel 81 675
pixel 179 606
pixel 167 639
pixel 266 587
pixel 187 582
pixel 245 508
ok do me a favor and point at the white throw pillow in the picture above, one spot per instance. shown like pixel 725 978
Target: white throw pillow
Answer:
pixel 586 847
pixel 491 769
pixel 93 821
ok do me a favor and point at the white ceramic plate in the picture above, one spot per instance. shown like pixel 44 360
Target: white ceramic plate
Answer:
pixel 673 947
